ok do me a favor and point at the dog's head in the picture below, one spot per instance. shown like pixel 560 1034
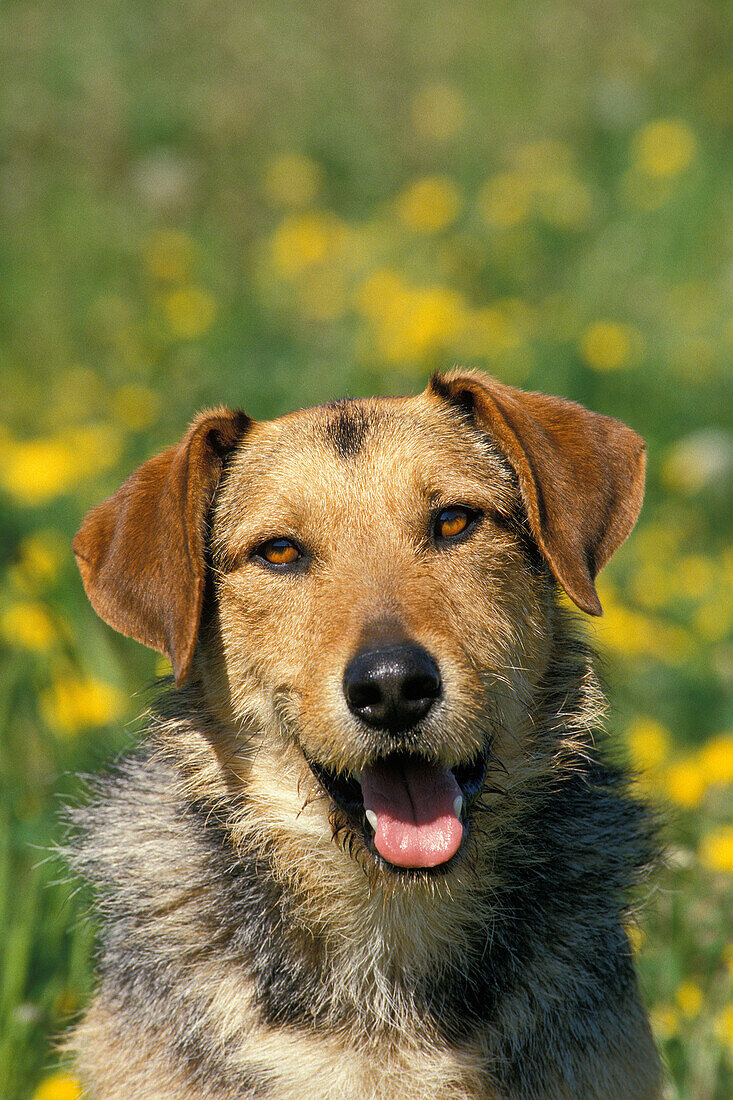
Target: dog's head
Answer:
pixel 369 587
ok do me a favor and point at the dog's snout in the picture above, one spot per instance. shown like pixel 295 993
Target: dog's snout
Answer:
pixel 392 687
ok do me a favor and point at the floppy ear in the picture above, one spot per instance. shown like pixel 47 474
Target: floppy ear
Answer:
pixel 141 553
pixel 581 475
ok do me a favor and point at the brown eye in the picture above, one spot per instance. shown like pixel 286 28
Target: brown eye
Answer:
pixel 279 552
pixel 452 522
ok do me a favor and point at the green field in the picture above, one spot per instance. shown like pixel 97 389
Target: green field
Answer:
pixel 275 203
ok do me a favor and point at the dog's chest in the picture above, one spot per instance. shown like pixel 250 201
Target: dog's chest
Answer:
pixel 330 1070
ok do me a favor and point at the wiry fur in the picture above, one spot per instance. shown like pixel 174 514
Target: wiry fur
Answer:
pixel 254 947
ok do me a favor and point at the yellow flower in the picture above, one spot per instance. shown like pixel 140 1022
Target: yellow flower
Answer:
pixel 190 312
pixel 410 322
pixel 59 1086
pixel 429 205
pixel 685 783
pixel 606 345
pixel 136 406
pixel 648 742
pixel 664 148
pixel 636 937
pixel 504 200
pixel 291 179
pixel 689 998
pixel 302 241
pixel 724 1026
pixel 716 850
pixel 28 625
pixel 35 471
pixel 96 447
pixel 74 703
pixel 562 199
pixel 716 760
pixel 39 559
pixel 665 1021
pixel 713 618
pixel 168 256
pixel 438 112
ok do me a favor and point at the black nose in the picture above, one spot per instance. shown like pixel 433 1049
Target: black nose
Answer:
pixel 392 687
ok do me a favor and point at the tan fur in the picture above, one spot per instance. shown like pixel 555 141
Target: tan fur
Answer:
pixel 264 690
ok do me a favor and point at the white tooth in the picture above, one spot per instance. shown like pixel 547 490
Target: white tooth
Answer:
pixel 458 805
pixel 372 819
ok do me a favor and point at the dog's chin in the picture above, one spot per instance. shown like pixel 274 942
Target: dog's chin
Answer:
pixel 410 815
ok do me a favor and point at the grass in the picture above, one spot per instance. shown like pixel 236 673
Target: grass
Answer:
pixel 275 205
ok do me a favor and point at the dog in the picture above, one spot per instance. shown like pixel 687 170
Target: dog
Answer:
pixel 374 847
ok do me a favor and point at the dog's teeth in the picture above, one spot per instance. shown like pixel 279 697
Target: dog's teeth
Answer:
pixel 458 805
pixel 372 819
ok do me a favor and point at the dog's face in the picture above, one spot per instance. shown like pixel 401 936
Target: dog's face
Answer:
pixel 380 595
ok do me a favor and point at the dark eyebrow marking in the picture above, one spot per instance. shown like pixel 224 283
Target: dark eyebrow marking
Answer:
pixel 347 427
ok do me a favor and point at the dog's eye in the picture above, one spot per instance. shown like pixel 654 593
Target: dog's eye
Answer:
pixel 451 523
pixel 278 552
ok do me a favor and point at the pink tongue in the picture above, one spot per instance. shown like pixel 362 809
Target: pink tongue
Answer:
pixel 417 825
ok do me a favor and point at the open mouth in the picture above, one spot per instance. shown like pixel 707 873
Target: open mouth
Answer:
pixel 412 812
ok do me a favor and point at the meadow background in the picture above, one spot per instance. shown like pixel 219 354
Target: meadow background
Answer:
pixel 277 203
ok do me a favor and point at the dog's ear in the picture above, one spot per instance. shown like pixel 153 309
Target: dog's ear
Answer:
pixel 581 475
pixel 141 553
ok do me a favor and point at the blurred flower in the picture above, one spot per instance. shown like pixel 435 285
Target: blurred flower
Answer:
pixel 291 179
pixel 685 783
pixel 303 240
pixel 648 742
pixel 716 759
pixel 636 937
pixel 438 112
pixel 607 345
pixel 28 625
pixel 190 312
pixel 689 998
pixel 664 147
pixel 35 471
pixel 59 1086
pixel 630 633
pixel 716 850
pixel 699 460
pixel 163 666
pixel 429 205
pixel 561 199
pixel 504 200
pixel 409 322
pixel 665 1021
pixel 724 1026
pixel 73 702
pixel 39 559
pixel 137 407
pixel 168 256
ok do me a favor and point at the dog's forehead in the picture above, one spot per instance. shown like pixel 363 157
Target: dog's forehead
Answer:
pixel 354 442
